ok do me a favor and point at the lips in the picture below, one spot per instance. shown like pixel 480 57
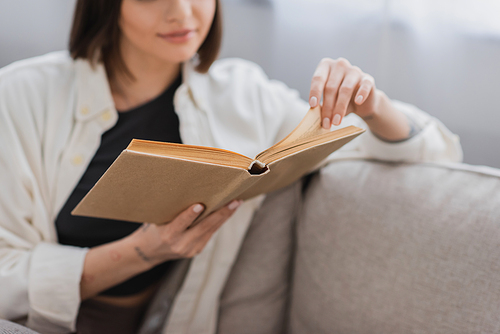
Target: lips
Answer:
pixel 177 33
pixel 178 36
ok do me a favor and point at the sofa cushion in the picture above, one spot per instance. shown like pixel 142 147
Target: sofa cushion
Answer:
pixel 408 248
pixel 255 298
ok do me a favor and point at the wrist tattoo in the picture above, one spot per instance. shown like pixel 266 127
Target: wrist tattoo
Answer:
pixel 142 255
pixel 145 227
pixel 367 118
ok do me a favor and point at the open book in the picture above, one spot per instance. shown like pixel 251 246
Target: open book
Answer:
pixel 154 181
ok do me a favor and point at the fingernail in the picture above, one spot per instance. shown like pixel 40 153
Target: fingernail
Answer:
pixel 313 101
pixel 326 123
pixel 233 205
pixel 359 99
pixel 198 208
pixel 336 119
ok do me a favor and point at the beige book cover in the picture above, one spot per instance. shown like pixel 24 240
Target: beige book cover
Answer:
pixel 154 181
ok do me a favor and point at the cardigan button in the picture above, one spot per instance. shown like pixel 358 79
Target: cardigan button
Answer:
pixel 106 116
pixel 77 160
pixel 84 111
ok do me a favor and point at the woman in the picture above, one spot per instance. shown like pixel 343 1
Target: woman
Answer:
pixel 143 69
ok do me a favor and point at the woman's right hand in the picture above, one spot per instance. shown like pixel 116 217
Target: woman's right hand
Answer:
pixel 113 263
pixel 155 244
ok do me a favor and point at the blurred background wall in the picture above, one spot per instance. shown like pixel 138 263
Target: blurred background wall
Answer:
pixel 441 55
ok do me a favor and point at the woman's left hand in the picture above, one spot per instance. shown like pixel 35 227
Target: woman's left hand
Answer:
pixel 345 89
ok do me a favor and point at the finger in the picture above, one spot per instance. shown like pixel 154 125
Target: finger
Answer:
pixel 186 218
pixel 213 221
pixel 216 219
pixel 330 94
pixel 318 82
pixel 345 94
pixel 198 236
pixel 367 85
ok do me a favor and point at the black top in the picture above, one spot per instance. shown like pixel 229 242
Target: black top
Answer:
pixel 154 120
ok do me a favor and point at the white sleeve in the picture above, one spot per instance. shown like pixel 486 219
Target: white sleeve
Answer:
pixel 42 282
pixel 54 287
pixel 434 142
pixel 38 277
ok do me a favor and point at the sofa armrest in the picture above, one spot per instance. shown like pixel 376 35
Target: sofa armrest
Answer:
pixel 398 248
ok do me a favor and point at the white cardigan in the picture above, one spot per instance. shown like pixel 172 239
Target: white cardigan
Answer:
pixel 53 111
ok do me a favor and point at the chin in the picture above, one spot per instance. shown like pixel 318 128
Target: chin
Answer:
pixel 177 56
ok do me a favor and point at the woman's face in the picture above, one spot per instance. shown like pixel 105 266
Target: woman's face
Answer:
pixel 170 30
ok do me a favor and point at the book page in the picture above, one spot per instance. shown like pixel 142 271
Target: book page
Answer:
pixel 309 127
pixel 309 142
pixel 191 152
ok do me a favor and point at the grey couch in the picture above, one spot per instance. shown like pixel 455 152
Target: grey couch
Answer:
pixel 371 247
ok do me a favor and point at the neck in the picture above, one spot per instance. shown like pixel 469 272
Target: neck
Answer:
pixel 151 77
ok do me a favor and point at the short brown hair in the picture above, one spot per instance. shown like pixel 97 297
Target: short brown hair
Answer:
pixel 95 31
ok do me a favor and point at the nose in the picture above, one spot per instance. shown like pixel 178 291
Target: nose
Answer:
pixel 177 10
